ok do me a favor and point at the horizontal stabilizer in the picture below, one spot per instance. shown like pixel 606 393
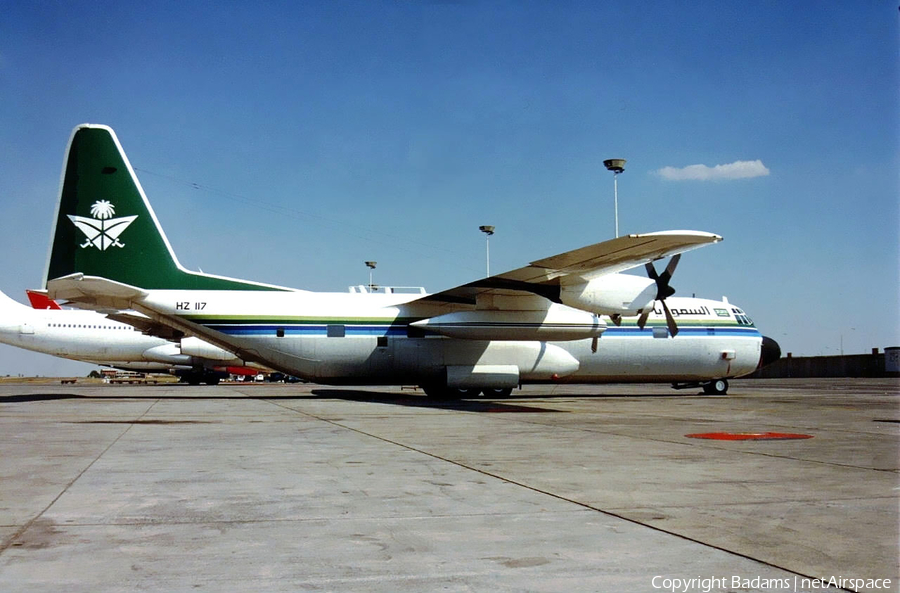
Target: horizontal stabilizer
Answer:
pixel 98 292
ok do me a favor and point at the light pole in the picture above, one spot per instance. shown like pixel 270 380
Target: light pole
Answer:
pixel 616 166
pixel 371 266
pixel 488 230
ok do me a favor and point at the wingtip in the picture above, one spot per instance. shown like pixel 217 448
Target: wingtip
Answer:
pixel 712 237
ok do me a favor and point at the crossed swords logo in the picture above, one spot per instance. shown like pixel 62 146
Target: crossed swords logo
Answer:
pixel 103 230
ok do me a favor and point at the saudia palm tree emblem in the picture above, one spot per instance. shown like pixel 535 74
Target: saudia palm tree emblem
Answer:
pixel 103 230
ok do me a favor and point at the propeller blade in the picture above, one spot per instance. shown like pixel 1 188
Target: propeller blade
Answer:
pixel 642 320
pixel 670 321
pixel 663 291
pixel 616 318
pixel 594 344
pixel 670 269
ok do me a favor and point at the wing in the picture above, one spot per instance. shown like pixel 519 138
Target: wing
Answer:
pixel 146 325
pixel 542 277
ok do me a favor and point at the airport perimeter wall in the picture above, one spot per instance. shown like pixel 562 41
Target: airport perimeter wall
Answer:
pixel 876 364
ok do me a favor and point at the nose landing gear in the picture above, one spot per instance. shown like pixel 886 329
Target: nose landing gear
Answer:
pixel 717 387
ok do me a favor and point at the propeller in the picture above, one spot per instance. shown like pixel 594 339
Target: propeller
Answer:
pixel 663 291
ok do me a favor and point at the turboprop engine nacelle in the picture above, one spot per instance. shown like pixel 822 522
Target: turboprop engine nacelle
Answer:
pixel 612 294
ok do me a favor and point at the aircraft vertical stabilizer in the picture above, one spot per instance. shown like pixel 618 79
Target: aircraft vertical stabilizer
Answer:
pixel 104 225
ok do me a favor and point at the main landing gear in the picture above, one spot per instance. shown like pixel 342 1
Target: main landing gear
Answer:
pixel 443 392
pixel 716 387
pixel 198 377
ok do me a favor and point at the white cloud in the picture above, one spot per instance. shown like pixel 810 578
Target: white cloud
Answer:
pixel 735 170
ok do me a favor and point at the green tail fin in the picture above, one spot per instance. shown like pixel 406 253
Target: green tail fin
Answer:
pixel 104 225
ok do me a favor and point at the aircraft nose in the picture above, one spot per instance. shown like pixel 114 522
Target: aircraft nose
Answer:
pixel 771 352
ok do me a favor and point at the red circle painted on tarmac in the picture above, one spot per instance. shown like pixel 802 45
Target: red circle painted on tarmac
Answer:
pixel 748 436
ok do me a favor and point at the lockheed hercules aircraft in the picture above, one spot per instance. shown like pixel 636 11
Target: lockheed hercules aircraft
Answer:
pixel 573 317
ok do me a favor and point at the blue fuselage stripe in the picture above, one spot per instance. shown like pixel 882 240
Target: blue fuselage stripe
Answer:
pixel 390 330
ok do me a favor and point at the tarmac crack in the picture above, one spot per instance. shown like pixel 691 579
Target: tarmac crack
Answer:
pixel 766 502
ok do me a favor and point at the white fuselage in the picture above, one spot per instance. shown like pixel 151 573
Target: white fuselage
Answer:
pixel 88 337
pixel 349 338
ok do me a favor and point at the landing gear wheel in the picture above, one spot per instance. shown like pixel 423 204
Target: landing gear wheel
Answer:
pixel 495 392
pixel 193 379
pixel 211 380
pixel 717 387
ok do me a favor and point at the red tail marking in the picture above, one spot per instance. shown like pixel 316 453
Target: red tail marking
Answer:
pixel 40 301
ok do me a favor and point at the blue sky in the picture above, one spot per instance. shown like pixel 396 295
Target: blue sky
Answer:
pixel 289 143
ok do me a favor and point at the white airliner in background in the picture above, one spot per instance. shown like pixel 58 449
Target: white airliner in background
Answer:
pixel 573 317
pixel 91 337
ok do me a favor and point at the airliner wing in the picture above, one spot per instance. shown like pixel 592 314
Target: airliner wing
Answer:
pixel 146 325
pixel 542 277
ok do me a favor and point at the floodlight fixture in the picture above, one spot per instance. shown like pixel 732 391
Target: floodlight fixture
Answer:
pixel 615 165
